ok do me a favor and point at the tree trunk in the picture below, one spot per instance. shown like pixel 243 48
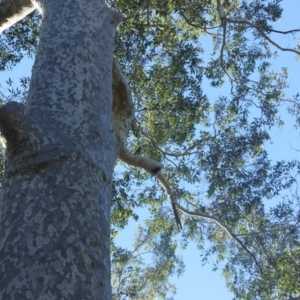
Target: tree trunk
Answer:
pixel 54 213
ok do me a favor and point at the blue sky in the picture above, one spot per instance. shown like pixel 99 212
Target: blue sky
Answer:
pixel 198 282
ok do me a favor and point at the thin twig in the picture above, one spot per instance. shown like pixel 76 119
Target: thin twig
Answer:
pixel 191 203
pixel 221 54
pixel 260 232
pixel 166 153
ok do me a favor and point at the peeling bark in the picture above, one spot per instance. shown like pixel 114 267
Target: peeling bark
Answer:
pixel 54 213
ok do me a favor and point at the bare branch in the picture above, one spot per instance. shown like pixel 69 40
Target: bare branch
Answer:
pixel 123 114
pixel 196 25
pixel 164 183
pixel 275 44
pixel 260 30
pixel 284 32
pixel 12 11
pixel 220 10
pixel 201 215
pixel 191 203
pixel 221 54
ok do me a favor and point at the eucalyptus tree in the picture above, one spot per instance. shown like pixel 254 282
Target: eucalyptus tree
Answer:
pixel 57 184
pixel 61 150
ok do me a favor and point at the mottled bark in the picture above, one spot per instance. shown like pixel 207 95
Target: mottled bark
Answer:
pixel 54 213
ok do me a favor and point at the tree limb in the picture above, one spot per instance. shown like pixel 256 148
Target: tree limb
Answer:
pixel 201 215
pixel 220 10
pixel 12 11
pixel 260 30
pixel 123 114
